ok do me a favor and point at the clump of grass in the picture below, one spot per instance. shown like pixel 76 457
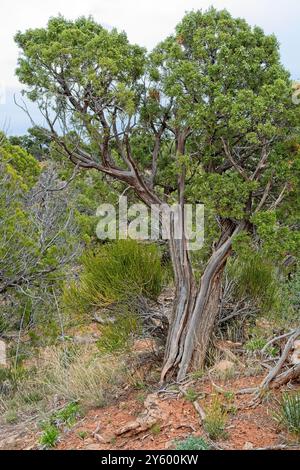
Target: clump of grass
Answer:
pixel 67 416
pixel 49 437
pixel 81 375
pixel 118 272
pixel 76 375
pixel 288 413
pixel 117 336
pixel 192 443
pixel 11 416
pixel 215 420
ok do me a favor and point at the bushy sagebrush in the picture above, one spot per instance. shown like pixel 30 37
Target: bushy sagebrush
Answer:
pixel 117 272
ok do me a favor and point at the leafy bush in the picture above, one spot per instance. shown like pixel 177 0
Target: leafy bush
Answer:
pixel 288 413
pixel 215 420
pixel 192 443
pixel 118 272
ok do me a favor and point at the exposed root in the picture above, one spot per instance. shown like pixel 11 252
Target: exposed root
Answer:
pixel 274 378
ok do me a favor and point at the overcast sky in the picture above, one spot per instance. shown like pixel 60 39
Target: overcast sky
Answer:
pixel 145 22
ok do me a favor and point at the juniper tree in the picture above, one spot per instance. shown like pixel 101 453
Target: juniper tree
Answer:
pixel 203 118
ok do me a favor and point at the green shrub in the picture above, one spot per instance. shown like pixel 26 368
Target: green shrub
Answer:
pixel 215 420
pixel 288 413
pixel 255 278
pixel 192 443
pixel 118 272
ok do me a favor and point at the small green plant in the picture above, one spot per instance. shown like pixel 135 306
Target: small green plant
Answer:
pixel 82 434
pixel 288 413
pixel 215 420
pixel 141 397
pixel 50 436
pixel 192 443
pixel 67 416
pixel 197 374
pixel 155 429
pixel 11 416
pixel 191 395
pixel 255 344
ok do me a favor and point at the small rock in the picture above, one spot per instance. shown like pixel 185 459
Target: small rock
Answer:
pixel 295 357
pixel 248 446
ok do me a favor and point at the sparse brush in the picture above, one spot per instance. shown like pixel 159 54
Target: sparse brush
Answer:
pixel 85 377
pixel 215 420
pixel 192 443
pixel 77 375
pixel 288 413
pixel 118 272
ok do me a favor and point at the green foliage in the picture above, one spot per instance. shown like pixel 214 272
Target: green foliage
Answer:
pixel 36 142
pixel 256 278
pixel 49 437
pixel 116 273
pixel 82 434
pixel 67 416
pixel 117 336
pixel 155 429
pixel 192 443
pixel 94 56
pixel 215 420
pixel 191 395
pixel 288 413
pixel 255 344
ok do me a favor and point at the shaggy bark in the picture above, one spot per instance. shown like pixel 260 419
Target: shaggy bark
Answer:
pixel 195 309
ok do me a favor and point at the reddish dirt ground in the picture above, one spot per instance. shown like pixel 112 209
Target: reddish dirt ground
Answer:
pixel 247 427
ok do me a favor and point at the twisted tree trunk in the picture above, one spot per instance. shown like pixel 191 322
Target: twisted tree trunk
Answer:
pixel 195 309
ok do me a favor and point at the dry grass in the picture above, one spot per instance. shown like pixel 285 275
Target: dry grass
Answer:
pixel 61 375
